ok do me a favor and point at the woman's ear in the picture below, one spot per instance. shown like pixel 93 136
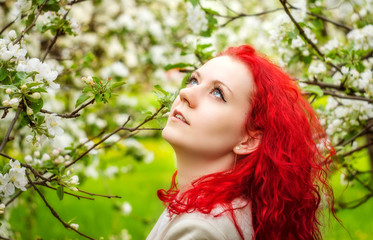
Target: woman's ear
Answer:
pixel 249 143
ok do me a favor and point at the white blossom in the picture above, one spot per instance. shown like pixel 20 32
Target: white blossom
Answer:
pixel 53 123
pixel 74 180
pixel 2 208
pixel 330 45
pixel 297 42
pixel 12 34
pixel 74 226
pixel 196 19
pixel 126 208
pixel 14 102
pixel 17 175
pixel 316 67
pixel 362 38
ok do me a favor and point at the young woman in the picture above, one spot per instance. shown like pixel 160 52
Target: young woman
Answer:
pixel 247 145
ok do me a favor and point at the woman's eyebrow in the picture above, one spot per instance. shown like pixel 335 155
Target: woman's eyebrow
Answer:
pixel 214 81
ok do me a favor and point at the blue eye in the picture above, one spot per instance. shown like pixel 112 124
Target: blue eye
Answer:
pixel 192 82
pixel 216 92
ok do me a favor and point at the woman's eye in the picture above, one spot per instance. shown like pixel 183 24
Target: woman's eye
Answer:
pixel 218 93
pixel 192 82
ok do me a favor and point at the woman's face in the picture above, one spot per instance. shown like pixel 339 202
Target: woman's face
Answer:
pixel 208 117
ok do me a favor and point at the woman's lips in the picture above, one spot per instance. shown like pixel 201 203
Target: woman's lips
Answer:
pixel 178 116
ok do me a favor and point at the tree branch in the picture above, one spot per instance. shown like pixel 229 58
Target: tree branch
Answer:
pixel 301 32
pixel 357 149
pixel 59 32
pixel 11 23
pixel 54 213
pixel 68 193
pixel 6 138
pixel 32 24
pixel 73 114
pixel 117 130
pixel 326 92
pixel 323 18
pixel 362 132
pixel 99 195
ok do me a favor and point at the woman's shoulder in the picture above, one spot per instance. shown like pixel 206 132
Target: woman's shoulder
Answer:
pixel 218 224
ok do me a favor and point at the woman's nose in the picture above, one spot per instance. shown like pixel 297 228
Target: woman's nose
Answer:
pixel 188 95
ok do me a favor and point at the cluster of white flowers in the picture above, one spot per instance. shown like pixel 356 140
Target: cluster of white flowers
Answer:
pixel 10 51
pixel 316 67
pixel 36 159
pixel 362 38
pixel 297 42
pixel 44 72
pixel 330 45
pixel 300 13
pixel 147 156
pixel 16 178
pixel 345 114
pixel 196 19
pixel 53 123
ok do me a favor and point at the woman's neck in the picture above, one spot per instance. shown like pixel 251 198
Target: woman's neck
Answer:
pixel 191 166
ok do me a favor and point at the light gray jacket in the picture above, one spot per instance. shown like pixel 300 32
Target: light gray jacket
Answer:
pixel 199 226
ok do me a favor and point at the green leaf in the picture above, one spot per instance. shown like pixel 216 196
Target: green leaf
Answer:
pixel 117 84
pixel 314 89
pixel 52 5
pixel 33 84
pixel 60 192
pixel 36 106
pixel 98 97
pixel 39 89
pixel 20 76
pixel 194 2
pixel 177 65
pixel 30 18
pixel 3 74
pixel 81 99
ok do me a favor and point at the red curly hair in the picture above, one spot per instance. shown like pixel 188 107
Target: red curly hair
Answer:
pixel 285 176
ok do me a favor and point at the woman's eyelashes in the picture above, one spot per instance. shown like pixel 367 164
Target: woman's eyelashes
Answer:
pixel 216 90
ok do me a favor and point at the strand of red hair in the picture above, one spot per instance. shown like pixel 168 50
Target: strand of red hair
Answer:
pixel 285 177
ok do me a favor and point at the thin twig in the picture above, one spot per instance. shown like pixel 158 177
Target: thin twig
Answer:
pixel 32 24
pixel 68 193
pixel 368 55
pixel 73 114
pixel 59 32
pixel 54 213
pixel 11 23
pixel 117 130
pixel 14 197
pixel 357 149
pixel 326 92
pixel 323 18
pixel 6 138
pixel 362 132
pixel 360 201
pixel 99 195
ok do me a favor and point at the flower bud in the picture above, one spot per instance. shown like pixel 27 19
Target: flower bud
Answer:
pixel 2 208
pixel 74 226
pixel 14 102
pixel 28 159
pixel 36 95
pixel 37 154
pixel 12 34
pixel 6 103
pixel 23 87
pixel 29 112
pixel 8 91
pixel 55 152
pixel 84 79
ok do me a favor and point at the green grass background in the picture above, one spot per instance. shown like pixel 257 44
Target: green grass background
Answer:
pixel 102 217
